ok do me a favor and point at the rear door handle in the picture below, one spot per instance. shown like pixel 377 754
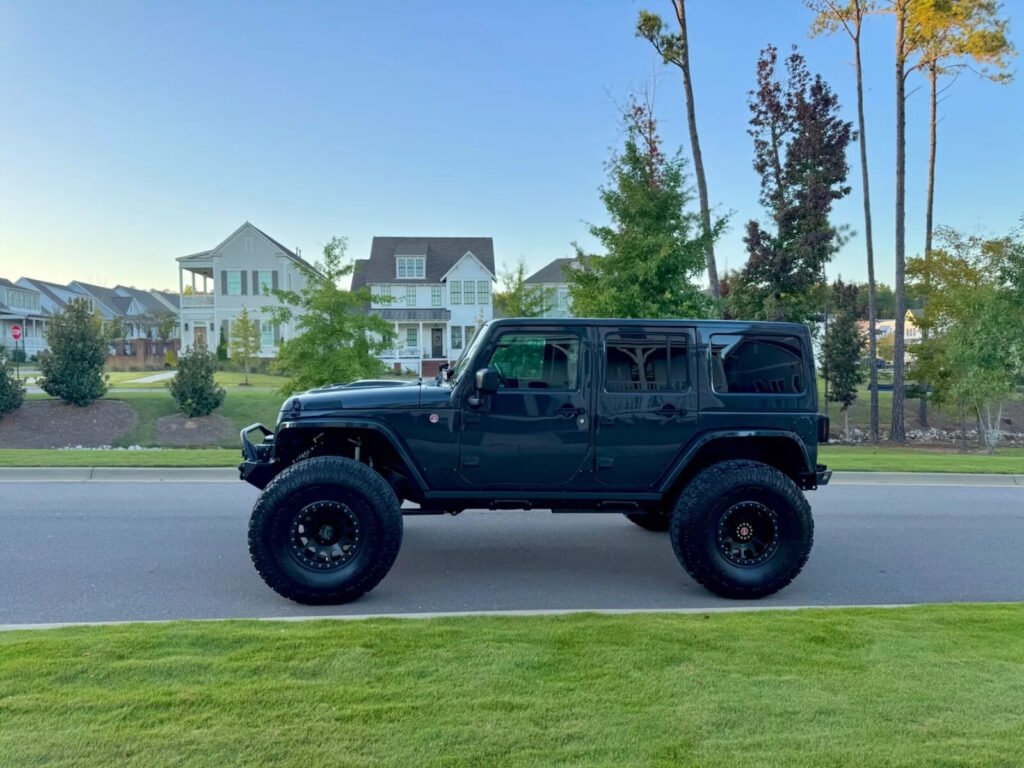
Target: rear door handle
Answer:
pixel 669 411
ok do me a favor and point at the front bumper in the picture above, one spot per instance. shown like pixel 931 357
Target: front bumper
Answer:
pixel 258 466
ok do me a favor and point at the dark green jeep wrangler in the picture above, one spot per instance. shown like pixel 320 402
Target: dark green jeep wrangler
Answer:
pixel 706 429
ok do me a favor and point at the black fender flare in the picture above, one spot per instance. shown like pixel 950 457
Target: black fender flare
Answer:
pixel 683 461
pixel 364 424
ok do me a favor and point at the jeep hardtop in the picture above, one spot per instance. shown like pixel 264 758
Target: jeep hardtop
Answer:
pixel 706 429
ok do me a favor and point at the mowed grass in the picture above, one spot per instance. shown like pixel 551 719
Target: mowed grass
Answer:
pixel 228 379
pixel 862 458
pixel 168 457
pixel 925 686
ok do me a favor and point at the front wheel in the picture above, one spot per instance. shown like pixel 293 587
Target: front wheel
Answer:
pixel 742 529
pixel 324 531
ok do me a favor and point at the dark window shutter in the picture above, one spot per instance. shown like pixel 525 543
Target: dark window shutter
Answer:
pixel 274 279
pixel 224 282
pixel 224 329
pixel 243 281
pixel 255 283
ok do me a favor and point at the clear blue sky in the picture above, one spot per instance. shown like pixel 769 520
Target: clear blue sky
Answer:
pixel 135 132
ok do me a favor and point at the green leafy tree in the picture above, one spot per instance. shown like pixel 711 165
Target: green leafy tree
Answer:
pixel 246 341
pixel 116 331
pixel 800 145
pixel 674 48
pixel 165 323
pixel 72 367
pixel 222 345
pixel 654 247
pixel 12 393
pixel 193 387
pixel 336 339
pixel 517 298
pixel 842 348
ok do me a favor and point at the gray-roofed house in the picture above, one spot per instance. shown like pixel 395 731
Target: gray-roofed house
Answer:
pixel 215 286
pixel 22 306
pixel 550 280
pixel 440 292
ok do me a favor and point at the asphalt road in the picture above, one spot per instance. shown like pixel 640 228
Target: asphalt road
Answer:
pixel 129 551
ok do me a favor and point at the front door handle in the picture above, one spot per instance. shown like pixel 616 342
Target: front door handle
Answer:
pixel 669 411
pixel 568 411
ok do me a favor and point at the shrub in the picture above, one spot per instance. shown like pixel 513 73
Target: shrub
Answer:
pixel 193 387
pixel 72 368
pixel 18 355
pixel 12 394
pixel 170 359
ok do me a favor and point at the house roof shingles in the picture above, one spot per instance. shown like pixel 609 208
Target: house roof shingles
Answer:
pixel 442 253
pixel 550 273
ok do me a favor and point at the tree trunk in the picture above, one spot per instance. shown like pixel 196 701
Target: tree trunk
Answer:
pixel 698 161
pixel 897 434
pixel 872 309
pixel 933 76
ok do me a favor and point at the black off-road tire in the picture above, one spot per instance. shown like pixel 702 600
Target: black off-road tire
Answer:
pixel 341 491
pixel 657 521
pixel 741 497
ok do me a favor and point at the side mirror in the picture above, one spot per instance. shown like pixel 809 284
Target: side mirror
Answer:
pixel 487 381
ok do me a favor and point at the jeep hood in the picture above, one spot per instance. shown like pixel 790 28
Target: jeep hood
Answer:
pixel 366 399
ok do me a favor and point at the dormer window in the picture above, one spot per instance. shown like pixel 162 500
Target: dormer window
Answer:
pixel 411 266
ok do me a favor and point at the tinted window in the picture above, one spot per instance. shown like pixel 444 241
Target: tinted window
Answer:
pixel 644 362
pixel 537 361
pixel 757 364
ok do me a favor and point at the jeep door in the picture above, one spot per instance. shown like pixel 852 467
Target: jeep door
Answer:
pixel 536 429
pixel 647 403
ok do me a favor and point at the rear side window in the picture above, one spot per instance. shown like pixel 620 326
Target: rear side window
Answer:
pixel 645 362
pixel 757 364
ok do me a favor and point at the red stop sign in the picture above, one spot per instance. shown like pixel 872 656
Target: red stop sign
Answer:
pixel 16 332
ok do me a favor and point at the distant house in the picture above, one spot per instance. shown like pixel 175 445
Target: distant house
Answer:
pixel 155 307
pixel 22 306
pixel 237 273
pixel 436 291
pixel 55 297
pixel 550 281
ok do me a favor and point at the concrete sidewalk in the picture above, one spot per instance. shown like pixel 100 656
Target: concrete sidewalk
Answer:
pixel 230 475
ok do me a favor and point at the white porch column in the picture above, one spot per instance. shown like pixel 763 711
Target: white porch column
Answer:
pixel 419 341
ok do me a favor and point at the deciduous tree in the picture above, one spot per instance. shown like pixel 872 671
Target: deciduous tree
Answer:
pixel 842 349
pixel 654 247
pixel 246 341
pixel 336 339
pixel 675 49
pixel 517 298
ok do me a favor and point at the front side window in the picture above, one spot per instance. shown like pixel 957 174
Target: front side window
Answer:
pixel 642 362
pixel 234 282
pixel 470 292
pixel 435 296
pixel 266 281
pixel 456 337
pixel 266 333
pixel 455 292
pixel 757 364
pixel 483 288
pixel 547 361
pixel 410 296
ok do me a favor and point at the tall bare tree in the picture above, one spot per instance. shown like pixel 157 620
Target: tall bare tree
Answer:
pixel 833 15
pixel 951 33
pixel 675 49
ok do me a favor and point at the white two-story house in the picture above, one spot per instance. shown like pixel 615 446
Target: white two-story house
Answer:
pixel 238 273
pixel 435 290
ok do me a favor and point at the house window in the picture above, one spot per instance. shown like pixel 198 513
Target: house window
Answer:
pixel 468 287
pixel 470 331
pixel 483 288
pixel 456 337
pixel 266 333
pixel 410 337
pixel 435 296
pixel 410 296
pixel 266 281
pixel 411 267
pixel 455 292
pixel 563 300
pixel 234 282
pixel 384 290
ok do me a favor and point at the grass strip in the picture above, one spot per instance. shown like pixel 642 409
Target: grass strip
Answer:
pixel 924 686
pixel 862 458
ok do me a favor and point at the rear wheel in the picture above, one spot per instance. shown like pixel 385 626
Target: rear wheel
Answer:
pixel 326 530
pixel 656 521
pixel 742 529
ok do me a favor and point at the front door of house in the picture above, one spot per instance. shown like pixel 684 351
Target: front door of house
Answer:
pixel 200 336
pixel 436 335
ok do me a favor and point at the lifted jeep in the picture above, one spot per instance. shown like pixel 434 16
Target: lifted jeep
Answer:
pixel 706 429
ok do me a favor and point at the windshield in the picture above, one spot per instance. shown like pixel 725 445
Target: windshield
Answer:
pixel 466 356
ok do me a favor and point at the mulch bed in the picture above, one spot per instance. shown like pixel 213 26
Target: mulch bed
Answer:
pixel 54 424
pixel 179 430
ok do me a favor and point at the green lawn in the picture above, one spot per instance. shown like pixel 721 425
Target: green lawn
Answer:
pixel 926 686
pixel 168 457
pixel 228 379
pixel 1008 461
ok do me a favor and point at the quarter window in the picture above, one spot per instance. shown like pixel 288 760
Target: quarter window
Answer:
pixel 547 361
pixel 643 362
pixel 757 364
